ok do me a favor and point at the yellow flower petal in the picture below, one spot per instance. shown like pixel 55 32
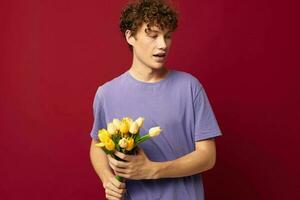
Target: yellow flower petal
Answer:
pixel 111 128
pixel 130 144
pixel 154 131
pixel 140 121
pixel 100 144
pixel 124 128
pixel 103 135
pixel 123 143
pixel 110 145
pixel 134 128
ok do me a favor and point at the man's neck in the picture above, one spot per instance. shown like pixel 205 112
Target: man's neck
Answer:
pixel 147 74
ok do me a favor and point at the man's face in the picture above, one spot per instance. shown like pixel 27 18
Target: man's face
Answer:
pixel 150 48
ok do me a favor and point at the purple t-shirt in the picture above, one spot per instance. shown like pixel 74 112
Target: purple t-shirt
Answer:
pixel 179 105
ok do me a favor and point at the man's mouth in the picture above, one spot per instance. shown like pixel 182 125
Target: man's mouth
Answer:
pixel 160 55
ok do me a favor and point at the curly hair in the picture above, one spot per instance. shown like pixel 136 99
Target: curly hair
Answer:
pixel 152 12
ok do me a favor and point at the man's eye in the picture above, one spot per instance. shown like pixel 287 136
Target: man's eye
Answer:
pixel 168 36
pixel 153 36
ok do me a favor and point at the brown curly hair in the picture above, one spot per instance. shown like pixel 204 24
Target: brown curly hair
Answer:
pixel 152 12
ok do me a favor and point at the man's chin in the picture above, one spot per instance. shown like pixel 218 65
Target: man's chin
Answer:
pixel 158 65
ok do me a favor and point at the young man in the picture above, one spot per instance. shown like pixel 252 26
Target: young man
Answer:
pixel 168 167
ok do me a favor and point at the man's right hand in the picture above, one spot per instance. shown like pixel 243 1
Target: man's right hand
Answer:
pixel 114 189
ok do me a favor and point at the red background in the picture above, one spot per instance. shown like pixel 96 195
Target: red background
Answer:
pixel 55 53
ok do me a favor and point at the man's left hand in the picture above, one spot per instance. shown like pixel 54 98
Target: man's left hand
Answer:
pixel 135 167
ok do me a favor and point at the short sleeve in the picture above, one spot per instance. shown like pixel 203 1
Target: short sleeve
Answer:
pixel 206 125
pixel 98 113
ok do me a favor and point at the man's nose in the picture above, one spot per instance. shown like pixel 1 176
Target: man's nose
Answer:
pixel 161 43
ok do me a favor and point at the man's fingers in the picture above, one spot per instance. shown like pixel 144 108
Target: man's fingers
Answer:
pixel 118 170
pixel 123 156
pixel 111 165
pixel 121 170
pixel 113 193
pixel 118 184
pixel 109 197
pixel 117 163
pixel 123 175
pixel 114 188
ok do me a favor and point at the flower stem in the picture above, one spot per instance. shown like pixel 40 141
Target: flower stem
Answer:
pixel 144 138
pixel 119 178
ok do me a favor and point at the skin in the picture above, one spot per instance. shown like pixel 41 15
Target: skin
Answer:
pixel 145 67
pixel 149 69
pixel 140 167
pixel 114 189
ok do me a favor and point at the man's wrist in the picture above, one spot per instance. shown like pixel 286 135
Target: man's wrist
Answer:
pixel 158 169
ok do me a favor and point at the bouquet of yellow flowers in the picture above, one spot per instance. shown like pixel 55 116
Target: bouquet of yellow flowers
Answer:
pixel 124 136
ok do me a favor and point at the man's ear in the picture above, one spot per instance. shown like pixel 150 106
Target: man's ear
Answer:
pixel 130 38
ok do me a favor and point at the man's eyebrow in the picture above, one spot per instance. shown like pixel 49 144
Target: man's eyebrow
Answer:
pixel 150 30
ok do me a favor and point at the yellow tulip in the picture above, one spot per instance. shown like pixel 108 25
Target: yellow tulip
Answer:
pixel 124 128
pixel 103 135
pixel 111 128
pixel 123 143
pixel 100 144
pixel 127 120
pixel 130 144
pixel 110 145
pixel 154 131
pixel 140 121
pixel 117 123
pixel 134 128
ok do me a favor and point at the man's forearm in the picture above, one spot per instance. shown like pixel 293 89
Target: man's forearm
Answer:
pixel 193 163
pixel 100 162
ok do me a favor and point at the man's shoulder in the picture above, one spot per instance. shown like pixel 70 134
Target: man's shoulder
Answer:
pixel 188 78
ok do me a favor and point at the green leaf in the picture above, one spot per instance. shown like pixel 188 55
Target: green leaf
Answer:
pixel 118 147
